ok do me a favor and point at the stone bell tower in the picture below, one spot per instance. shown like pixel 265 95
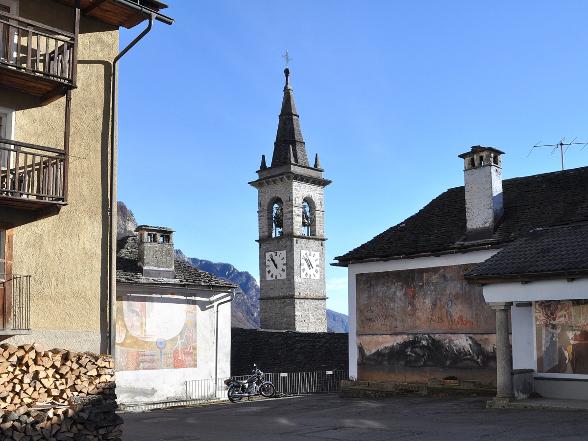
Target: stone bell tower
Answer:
pixel 291 230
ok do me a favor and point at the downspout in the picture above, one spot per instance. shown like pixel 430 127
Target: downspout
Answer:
pixel 216 305
pixel 112 190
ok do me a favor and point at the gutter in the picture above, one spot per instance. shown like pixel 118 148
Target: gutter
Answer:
pixel 112 186
pixel 149 12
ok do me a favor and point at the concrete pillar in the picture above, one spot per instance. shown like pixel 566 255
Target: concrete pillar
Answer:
pixel 503 353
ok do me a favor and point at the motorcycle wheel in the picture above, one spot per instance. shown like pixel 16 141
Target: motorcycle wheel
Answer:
pixel 267 390
pixel 232 394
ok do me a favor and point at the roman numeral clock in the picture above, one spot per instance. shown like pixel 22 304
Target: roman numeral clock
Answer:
pixel 291 230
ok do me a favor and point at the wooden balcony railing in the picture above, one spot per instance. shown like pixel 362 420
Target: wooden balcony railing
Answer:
pixel 32 172
pixel 16 303
pixel 36 49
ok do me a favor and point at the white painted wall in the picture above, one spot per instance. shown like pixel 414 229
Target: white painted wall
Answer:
pixel 169 384
pixel 536 291
pixel 523 338
pixel 396 265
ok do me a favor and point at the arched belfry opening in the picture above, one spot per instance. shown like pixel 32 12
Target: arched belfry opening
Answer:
pixel 308 226
pixel 277 217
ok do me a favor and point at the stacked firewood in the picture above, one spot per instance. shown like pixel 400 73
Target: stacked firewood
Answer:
pixel 56 395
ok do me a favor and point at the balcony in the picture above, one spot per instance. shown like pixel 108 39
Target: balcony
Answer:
pixel 15 308
pixel 32 179
pixel 36 59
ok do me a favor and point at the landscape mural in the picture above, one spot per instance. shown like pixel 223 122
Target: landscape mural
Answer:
pixel 415 325
pixel 155 333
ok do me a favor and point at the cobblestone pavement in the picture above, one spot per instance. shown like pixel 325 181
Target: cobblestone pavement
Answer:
pixel 329 417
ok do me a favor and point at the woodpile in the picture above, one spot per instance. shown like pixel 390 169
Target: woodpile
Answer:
pixel 56 395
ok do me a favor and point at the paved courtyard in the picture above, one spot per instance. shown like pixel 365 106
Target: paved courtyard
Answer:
pixel 328 417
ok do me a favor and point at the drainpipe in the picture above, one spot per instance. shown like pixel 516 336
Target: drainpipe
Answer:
pixel 112 178
pixel 216 305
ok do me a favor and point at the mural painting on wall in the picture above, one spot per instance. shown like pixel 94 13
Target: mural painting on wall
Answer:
pixel 562 336
pixel 423 318
pixel 155 333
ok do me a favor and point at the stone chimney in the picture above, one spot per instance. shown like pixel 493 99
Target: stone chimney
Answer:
pixel 483 191
pixel 156 251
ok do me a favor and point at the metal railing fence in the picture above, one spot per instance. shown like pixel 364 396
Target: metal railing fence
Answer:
pixel 286 383
pixel 17 303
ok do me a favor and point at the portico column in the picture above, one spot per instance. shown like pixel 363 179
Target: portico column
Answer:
pixel 503 352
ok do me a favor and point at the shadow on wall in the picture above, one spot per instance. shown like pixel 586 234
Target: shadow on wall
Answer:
pixel 104 177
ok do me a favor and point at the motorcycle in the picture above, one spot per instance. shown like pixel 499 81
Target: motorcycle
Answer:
pixel 255 385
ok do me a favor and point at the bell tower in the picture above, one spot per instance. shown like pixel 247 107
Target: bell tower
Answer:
pixel 291 230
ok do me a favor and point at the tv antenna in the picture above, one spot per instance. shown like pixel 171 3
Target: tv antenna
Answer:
pixel 563 147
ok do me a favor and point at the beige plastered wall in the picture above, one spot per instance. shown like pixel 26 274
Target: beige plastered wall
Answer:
pixel 66 254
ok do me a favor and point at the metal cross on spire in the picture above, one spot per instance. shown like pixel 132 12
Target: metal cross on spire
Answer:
pixel 287 58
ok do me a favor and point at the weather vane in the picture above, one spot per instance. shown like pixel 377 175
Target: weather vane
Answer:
pixel 287 58
pixel 563 147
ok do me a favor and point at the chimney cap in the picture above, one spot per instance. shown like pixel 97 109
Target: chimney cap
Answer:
pixel 480 149
pixel 153 229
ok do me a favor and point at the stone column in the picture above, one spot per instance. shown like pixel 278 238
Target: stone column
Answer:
pixel 503 353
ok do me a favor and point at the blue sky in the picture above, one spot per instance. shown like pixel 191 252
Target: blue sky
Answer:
pixel 389 94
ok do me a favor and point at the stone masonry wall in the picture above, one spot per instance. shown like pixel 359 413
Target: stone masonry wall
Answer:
pixel 287 351
pixel 56 395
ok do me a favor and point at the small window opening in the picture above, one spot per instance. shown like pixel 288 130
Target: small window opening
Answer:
pixel 151 237
pixel 472 162
pixel 495 159
pixel 277 219
pixel 164 238
pixel 481 161
pixel 307 219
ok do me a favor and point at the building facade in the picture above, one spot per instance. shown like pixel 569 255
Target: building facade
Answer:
pixel 542 280
pixel 414 314
pixel 56 62
pixel 291 230
pixel 173 322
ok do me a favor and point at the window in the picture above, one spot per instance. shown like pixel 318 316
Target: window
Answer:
pixel 164 238
pixel 277 218
pixel 307 218
pixel 6 124
pixel 562 336
pixel 151 237
pixel 8 37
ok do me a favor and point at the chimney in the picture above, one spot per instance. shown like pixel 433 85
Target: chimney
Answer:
pixel 483 191
pixel 156 251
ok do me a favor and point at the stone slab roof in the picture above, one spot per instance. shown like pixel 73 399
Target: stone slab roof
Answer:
pixel 543 252
pixel 128 271
pixel 530 202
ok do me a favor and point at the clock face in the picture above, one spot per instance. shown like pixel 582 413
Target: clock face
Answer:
pixel 310 264
pixel 275 265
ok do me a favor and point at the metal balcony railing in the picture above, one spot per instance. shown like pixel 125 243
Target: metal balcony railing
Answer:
pixel 37 49
pixel 17 303
pixel 32 172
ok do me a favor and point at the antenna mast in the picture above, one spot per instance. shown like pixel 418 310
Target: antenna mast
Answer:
pixel 563 147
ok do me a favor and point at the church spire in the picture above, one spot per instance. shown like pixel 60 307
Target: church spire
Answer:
pixel 289 134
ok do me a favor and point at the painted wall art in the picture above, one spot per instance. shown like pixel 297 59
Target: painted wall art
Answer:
pixel 415 325
pixel 562 336
pixel 155 333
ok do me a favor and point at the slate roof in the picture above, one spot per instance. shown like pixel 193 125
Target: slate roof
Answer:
pixel 543 252
pixel 289 135
pixel 530 202
pixel 128 271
